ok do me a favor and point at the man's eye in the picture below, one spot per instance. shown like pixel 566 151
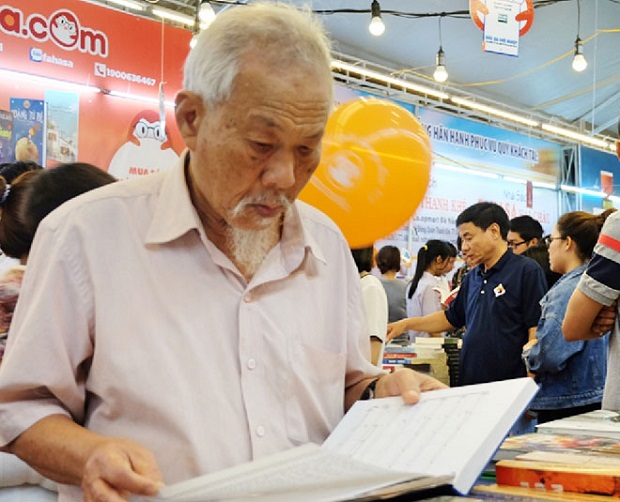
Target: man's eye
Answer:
pixel 305 150
pixel 261 147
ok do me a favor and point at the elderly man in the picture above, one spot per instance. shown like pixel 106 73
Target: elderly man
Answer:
pixel 198 318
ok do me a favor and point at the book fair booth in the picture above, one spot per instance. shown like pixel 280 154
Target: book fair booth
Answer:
pixel 96 83
pixel 104 92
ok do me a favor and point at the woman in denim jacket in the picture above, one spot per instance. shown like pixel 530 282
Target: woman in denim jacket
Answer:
pixel 570 375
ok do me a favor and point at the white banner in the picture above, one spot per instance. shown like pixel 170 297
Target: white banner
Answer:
pixel 449 193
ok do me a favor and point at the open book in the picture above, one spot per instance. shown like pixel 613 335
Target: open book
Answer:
pixel 380 448
pixel 446 296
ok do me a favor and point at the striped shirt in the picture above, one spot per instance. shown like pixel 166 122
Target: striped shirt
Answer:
pixel 601 283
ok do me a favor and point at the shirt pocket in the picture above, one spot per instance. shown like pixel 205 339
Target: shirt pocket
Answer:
pixel 315 392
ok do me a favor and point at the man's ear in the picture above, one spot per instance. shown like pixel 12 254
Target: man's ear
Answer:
pixel 190 111
pixel 495 230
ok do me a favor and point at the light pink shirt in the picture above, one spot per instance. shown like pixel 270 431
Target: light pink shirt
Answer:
pixel 133 322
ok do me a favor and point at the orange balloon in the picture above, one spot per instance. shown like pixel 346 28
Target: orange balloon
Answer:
pixel 374 170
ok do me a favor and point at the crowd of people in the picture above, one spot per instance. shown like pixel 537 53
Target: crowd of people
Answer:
pixel 201 317
pixel 511 306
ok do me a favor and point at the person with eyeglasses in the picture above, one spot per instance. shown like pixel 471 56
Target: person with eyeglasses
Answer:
pixel 524 232
pixel 526 238
pixel 570 376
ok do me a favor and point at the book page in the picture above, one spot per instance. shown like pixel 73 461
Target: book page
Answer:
pixel 453 430
pixel 307 473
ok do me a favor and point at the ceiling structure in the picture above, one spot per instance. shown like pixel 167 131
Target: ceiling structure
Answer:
pixel 539 83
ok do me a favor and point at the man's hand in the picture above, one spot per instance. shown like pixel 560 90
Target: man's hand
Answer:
pixel 605 320
pixel 117 468
pixel 406 383
pixel 396 328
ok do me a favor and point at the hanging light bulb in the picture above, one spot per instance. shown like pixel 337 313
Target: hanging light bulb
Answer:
pixel 440 74
pixel 376 26
pixel 206 14
pixel 579 60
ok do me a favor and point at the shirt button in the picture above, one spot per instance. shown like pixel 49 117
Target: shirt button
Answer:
pixel 482 292
pixel 485 281
pixel 247 298
pixel 260 431
pixel 251 363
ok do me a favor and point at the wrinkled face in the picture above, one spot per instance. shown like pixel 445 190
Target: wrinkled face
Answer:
pixel 477 245
pixel 517 243
pixel 254 153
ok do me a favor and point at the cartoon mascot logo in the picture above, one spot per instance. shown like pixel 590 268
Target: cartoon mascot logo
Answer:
pixel 147 149
pixel 64 28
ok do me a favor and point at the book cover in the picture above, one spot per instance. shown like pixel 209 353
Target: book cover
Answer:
pixel 446 296
pixel 29 129
pixel 559 477
pixel 580 458
pixel 594 423
pixel 536 441
pixel 399 360
pixel 519 494
pixel 6 135
pixel 409 349
pixel 360 459
pixel 63 111
pixel 400 355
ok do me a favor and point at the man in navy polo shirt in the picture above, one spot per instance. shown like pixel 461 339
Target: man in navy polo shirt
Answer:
pixel 497 302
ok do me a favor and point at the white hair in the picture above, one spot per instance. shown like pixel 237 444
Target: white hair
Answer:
pixel 279 33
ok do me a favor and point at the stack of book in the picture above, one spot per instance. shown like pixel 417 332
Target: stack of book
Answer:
pixel 583 456
pixel 594 423
pixel 396 356
pixel 452 348
pixel 429 346
pixel 425 355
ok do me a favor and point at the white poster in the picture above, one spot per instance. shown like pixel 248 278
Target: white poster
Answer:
pixel 449 193
pixel 501 28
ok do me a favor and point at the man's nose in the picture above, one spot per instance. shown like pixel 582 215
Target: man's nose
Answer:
pixel 280 170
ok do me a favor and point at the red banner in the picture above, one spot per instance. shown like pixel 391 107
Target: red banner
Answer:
pixel 80 42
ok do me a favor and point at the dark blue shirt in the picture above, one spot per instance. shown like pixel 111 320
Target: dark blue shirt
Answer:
pixel 497 307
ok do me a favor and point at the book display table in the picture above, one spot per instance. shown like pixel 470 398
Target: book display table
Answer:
pixel 436 366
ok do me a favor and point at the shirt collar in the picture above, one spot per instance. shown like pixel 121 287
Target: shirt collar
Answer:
pixel 175 215
pixel 501 263
pixel 296 241
pixel 575 272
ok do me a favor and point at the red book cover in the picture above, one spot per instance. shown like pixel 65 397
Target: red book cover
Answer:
pixel 595 479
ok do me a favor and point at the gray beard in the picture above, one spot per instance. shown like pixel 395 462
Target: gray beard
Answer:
pixel 250 247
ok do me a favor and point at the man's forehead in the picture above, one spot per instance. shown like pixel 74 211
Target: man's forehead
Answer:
pixel 468 228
